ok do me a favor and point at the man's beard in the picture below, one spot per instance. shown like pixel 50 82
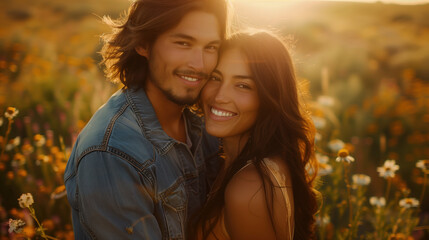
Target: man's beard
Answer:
pixel 188 99
pixel 182 101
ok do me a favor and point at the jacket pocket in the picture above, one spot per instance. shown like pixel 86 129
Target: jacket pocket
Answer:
pixel 174 201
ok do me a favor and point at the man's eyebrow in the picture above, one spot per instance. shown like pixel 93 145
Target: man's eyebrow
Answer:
pixel 190 38
pixel 181 35
pixel 215 42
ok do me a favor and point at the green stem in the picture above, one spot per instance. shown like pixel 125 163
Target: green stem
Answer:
pixel 33 214
pixel 424 187
pixel 389 182
pixel 348 192
pixel 49 237
pixel 395 227
pixel 6 136
pixel 378 222
pixel 346 179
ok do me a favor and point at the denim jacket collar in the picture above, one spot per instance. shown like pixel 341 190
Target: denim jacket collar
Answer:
pixel 150 125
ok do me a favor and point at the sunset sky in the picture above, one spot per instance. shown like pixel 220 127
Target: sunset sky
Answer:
pixel 385 1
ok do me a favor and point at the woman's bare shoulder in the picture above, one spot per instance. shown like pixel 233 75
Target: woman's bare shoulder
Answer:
pixel 246 214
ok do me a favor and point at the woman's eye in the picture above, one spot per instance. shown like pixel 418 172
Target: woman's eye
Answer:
pixel 214 78
pixel 243 86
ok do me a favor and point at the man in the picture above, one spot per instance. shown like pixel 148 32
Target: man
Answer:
pixel 140 168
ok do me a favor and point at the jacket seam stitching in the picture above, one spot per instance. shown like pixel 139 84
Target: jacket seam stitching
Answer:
pixel 110 126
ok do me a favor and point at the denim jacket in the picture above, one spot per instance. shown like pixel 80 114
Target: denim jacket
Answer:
pixel 127 179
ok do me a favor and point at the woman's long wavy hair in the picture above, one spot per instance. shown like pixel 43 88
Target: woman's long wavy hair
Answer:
pixel 141 26
pixel 283 129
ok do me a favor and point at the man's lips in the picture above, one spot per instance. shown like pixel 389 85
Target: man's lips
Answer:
pixel 190 78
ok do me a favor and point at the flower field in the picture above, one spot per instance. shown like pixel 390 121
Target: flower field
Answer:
pixel 364 75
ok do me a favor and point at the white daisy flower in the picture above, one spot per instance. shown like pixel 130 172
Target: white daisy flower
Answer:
pixel 16 225
pixel 423 165
pixel 409 202
pixel 319 122
pixel 388 169
pixel 343 156
pixel 323 221
pixel 26 200
pixel 11 112
pixel 361 179
pixel 377 201
pixel 324 169
pixel 336 145
pixel 326 101
pixel 322 158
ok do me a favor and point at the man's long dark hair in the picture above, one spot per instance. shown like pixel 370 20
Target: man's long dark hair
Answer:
pixel 282 129
pixel 141 26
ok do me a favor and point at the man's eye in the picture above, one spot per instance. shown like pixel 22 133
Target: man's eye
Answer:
pixel 212 48
pixel 184 44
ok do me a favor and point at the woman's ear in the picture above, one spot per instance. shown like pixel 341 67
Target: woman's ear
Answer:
pixel 142 51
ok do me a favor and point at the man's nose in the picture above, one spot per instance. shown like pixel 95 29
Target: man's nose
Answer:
pixel 196 60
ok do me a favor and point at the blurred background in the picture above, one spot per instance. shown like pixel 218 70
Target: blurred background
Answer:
pixel 364 65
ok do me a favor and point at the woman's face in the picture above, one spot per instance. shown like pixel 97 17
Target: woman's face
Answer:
pixel 230 98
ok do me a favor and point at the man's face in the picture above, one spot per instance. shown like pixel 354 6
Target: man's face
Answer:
pixel 182 58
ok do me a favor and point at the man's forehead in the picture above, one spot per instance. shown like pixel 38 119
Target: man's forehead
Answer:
pixel 197 26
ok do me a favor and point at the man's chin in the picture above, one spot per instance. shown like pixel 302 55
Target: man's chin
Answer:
pixel 183 101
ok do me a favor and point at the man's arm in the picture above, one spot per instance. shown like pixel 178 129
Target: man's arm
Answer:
pixel 115 201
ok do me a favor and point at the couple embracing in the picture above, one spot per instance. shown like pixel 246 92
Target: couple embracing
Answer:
pixel 207 140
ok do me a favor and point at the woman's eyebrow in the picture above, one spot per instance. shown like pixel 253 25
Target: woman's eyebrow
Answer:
pixel 243 77
pixel 217 72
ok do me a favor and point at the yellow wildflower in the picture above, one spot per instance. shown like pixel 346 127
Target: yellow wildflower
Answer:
pixel 30 231
pixel 39 140
pixel 59 192
pixel 42 158
pixel 18 160
pixel 22 173
pixel 49 143
pixel 48 224
pixel 27 149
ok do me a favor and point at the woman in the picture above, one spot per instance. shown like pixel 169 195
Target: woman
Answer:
pixel 251 102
